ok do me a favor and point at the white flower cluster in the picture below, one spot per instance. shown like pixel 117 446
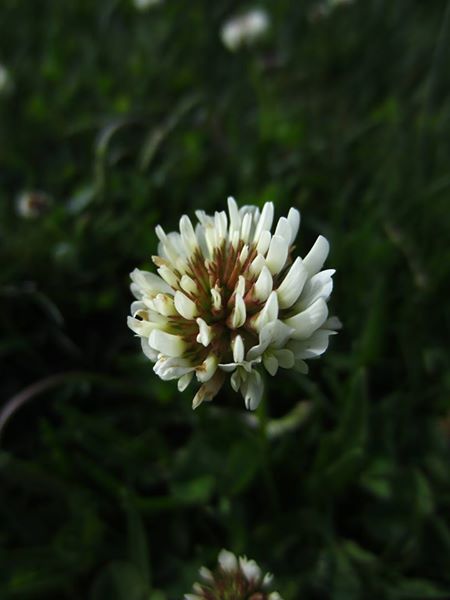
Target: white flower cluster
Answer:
pixel 241 577
pixel 229 298
pixel 245 29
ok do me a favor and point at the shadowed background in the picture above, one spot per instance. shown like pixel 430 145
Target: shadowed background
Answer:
pixel 111 487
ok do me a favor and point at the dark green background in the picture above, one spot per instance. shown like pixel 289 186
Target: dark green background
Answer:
pixel 111 487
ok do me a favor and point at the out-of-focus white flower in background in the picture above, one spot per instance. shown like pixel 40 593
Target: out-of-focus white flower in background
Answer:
pixel 146 4
pixel 236 578
pixel 5 80
pixel 32 204
pixel 230 299
pixel 324 8
pixel 245 29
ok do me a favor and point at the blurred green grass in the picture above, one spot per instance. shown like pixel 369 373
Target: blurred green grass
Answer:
pixel 110 486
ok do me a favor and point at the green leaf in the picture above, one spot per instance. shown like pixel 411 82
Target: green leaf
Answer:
pixel 345 582
pixel 195 491
pixel 340 473
pixel 353 426
pixel 420 589
pixel 351 431
pixel 157 136
pixel 377 478
pixel 120 581
pixel 424 494
pixel 138 552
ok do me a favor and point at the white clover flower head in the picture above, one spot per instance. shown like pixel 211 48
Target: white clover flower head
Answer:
pixel 234 579
pixel 230 298
pixel 146 4
pixel 32 204
pixel 245 29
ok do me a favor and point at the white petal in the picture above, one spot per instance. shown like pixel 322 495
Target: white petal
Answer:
pixel 204 333
pixel 227 561
pixel 136 291
pixel 259 349
pixel 216 299
pixel 161 234
pixel 142 328
pixel 169 276
pixel 192 597
pixel 280 333
pixel 253 391
pixel 263 285
pixel 268 313
pixel 198 398
pixel 205 220
pixel 166 343
pixel 185 307
pixel 315 258
pixel 250 569
pixel 235 380
pixel 166 248
pixel 220 224
pixel 147 350
pixel 306 322
pixel 189 285
pixel 208 390
pixel 250 209
pixel 188 235
pixel 173 249
pixel 206 574
pixel 316 345
pixel 207 368
pixel 201 238
pixel 246 227
pixel 240 286
pixel 149 283
pixel 164 305
pixel 301 366
pixel 333 323
pixel 235 219
pixel 319 286
pixel 265 220
pixel 137 306
pixel 257 265
pixel 238 349
pixel 244 254
pixel 171 368
pixel 176 241
pixel 268 578
pixel 228 367
pixel 285 358
pixel 271 363
pixel 277 254
pixel 275 334
pixel 264 242
pixel 238 314
pixel 184 381
pixel 283 229
pixel 292 285
pixel 294 222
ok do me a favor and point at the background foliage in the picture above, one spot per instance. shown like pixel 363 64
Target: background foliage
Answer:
pixel 111 487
